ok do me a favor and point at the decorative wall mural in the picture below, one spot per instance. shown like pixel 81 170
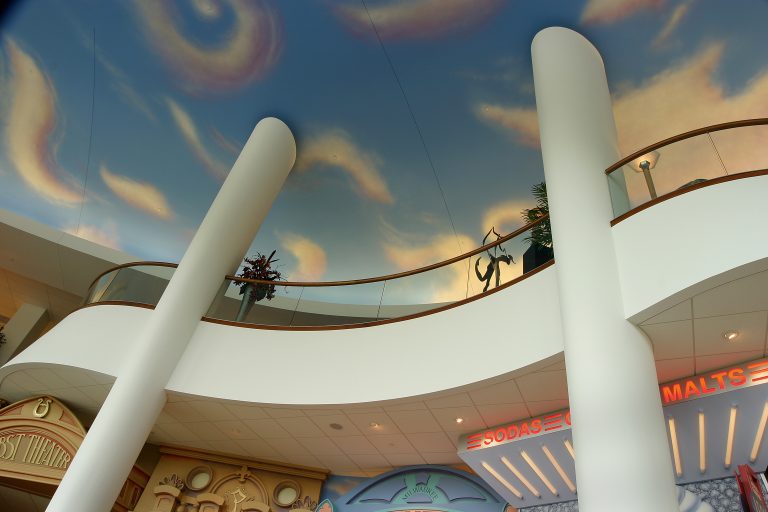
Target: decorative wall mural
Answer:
pixel 422 488
pixel 415 120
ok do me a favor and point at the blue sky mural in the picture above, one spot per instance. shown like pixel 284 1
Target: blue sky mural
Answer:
pixel 414 120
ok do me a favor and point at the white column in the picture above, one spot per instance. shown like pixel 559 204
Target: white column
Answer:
pixel 101 465
pixel 622 453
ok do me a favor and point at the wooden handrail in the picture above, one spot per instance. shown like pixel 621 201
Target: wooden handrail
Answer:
pixel 415 271
pixel 399 275
pixel 335 327
pixel 133 264
pixel 687 135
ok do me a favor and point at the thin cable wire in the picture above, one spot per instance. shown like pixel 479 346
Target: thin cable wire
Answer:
pixel 416 124
pixel 90 135
pixel 722 164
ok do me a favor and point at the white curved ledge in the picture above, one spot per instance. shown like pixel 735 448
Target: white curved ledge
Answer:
pixel 691 243
pixel 483 339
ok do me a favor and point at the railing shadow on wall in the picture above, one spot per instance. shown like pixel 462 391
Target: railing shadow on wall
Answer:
pixel 689 161
pixel 344 304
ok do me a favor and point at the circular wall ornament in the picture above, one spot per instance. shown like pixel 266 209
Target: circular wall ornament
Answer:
pixel 199 477
pixel 286 493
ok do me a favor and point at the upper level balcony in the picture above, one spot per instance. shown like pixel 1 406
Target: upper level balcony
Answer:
pixel 692 266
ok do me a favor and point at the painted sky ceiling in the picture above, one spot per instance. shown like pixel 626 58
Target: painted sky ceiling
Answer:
pixel 121 119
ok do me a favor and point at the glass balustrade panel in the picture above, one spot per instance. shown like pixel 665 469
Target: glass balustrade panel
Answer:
pixel 666 170
pixel 339 305
pixel 143 284
pixel 743 149
pixel 250 304
pixel 425 291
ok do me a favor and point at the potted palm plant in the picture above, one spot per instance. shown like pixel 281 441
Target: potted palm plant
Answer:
pixel 257 267
pixel 540 239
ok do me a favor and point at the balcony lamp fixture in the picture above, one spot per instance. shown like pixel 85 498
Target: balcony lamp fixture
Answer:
pixel 644 164
pixel 731 335
pixel 459 420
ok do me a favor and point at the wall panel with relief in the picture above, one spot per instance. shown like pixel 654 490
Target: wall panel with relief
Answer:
pixel 187 480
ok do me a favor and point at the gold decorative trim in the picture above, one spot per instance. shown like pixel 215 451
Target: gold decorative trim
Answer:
pixel 264 465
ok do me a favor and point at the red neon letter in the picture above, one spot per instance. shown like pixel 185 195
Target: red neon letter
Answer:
pixel 672 394
pixel 737 377
pixel 690 389
pixel 704 388
pixel 719 378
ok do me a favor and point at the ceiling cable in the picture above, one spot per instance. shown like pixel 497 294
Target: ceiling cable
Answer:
pixel 416 124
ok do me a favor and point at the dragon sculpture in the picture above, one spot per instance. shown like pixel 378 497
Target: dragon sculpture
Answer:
pixel 493 265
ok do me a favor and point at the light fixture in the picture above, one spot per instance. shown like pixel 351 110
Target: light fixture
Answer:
pixel 731 335
pixel 702 443
pixel 731 433
pixel 644 164
pixel 675 448
pixel 559 469
pixel 373 424
pixel 539 473
pixel 569 447
pixel 502 480
pixel 521 477
pixel 459 420
pixel 759 434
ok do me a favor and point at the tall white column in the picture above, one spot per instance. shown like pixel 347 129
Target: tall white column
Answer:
pixel 622 453
pixel 101 465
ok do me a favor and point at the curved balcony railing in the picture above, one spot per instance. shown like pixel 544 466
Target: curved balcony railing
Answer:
pixel 688 161
pixel 343 304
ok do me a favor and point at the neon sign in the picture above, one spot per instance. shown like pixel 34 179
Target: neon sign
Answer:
pixel 519 430
pixel 716 382
pixel 691 388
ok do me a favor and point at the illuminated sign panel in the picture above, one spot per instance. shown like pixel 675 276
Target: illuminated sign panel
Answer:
pixel 716 382
pixel 519 430
pixel 720 381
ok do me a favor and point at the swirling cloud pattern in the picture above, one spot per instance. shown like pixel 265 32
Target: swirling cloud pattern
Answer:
pixel 310 257
pixel 246 54
pixel 29 125
pixel 142 196
pixel 417 19
pixel 336 149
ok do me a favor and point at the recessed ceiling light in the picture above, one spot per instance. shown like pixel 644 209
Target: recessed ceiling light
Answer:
pixel 335 426
pixel 731 335
pixel 373 424
pixel 459 420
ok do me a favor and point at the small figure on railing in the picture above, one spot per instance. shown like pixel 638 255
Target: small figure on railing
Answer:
pixel 493 264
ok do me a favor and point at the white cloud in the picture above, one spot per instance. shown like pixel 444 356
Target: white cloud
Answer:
pixel 672 23
pixel 103 236
pixel 681 98
pixel 28 127
pixel 143 196
pixel 417 19
pixel 505 217
pixel 522 121
pixel 189 131
pixel 311 258
pixel 335 149
pixel 609 11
